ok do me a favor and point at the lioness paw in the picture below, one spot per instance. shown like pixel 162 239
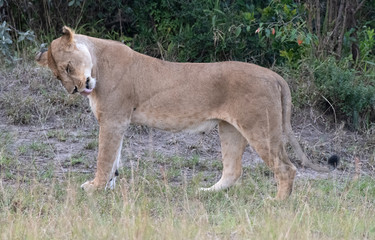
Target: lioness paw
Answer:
pixel 206 189
pixel 89 186
pixel 111 184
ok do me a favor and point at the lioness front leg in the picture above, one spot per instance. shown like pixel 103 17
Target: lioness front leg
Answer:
pixel 114 172
pixel 110 142
pixel 232 147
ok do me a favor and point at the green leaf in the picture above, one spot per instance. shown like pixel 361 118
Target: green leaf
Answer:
pixel 219 11
pixel 247 16
pixel 278 34
pixel 8 41
pixel 268 32
pixel 238 31
pixel 21 38
pixel 293 34
pixel 170 47
pixel 283 38
pixel 214 21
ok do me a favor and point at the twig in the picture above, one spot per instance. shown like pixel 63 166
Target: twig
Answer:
pixel 358 164
pixel 334 112
pixel 359 6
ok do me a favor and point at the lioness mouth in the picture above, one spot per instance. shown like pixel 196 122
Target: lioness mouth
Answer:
pixel 87 90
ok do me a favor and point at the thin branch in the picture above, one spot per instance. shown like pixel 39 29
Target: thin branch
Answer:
pixel 338 19
pixel 343 29
pixel 309 16
pixel 317 6
pixel 359 6
pixel 334 112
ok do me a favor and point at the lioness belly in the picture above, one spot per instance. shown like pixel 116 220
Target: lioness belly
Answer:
pixel 174 123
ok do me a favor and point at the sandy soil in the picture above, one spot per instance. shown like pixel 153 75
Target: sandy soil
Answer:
pixel 40 149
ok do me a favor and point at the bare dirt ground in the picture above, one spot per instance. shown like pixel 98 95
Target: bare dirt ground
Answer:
pixel 39 138
pixel 51 151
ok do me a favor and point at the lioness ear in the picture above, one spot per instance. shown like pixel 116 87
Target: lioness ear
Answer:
pixel 42 58
pixel 68 34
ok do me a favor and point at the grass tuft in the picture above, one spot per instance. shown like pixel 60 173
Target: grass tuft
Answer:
pixel 140 209
pixel 30 95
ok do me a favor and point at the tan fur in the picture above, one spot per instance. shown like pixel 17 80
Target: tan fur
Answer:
pixel 250 103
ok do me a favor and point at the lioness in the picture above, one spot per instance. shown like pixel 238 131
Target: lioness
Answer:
pixel 251 104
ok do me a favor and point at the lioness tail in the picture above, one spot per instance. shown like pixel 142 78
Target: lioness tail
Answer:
pixel 286 101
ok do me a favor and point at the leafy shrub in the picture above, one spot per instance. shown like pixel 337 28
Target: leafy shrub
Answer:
pixel 5 40
pixel 367 47
pixel 268 33
pixel 7 44
pixel 205 31
pixel 350 92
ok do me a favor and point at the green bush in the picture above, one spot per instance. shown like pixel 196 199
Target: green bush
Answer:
pixel 349 91
pixel 5 41
pixel 206 31
pixel 270 33
pixel 7 46
pixel 195 31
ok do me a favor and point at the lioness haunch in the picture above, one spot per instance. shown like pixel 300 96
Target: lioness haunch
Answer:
pixel 251 104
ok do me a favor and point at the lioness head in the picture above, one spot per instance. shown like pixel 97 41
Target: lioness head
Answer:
pixel 71 63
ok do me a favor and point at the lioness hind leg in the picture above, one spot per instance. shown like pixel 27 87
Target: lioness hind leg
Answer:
pixel 285 173
pixel 232 147
pixel 274 155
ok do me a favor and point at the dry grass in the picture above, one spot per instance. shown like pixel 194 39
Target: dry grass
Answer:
pixel 31 95
pixel 141 209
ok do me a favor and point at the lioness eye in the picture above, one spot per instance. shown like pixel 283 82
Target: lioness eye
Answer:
pixel 67 69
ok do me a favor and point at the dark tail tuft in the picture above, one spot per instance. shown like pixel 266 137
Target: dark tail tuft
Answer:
pixel 334 161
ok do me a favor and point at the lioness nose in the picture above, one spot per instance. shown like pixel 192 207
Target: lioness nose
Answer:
pixel 87 82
